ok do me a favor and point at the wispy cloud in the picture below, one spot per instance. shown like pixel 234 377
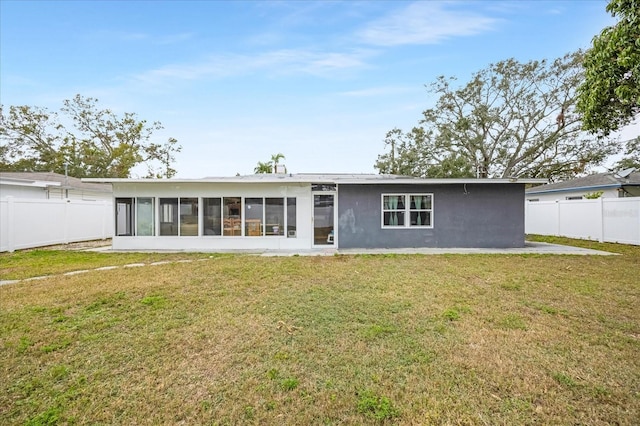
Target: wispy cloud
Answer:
pixel 278 62
pixel 424 23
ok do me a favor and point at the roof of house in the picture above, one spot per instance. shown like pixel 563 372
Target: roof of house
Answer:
pixel 595 181
pixel 46 179
pixel 338 178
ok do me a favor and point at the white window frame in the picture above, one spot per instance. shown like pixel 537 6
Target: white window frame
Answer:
pixel 407 211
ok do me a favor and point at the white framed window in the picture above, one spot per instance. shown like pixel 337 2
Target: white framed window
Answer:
pixel 407 210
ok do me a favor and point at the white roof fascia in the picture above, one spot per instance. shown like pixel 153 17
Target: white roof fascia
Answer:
pixel 444 181
pixel 323 179
pixel 29 183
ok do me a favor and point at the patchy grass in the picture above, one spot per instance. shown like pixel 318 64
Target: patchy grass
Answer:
pixel 449 339
pixel 36 263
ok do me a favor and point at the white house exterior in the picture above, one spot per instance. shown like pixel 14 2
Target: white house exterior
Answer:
pixel 306 211
pixel 611 185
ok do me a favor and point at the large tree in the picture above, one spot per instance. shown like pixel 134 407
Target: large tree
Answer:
pixel 609 97
pixel 511 120
pixel 98 143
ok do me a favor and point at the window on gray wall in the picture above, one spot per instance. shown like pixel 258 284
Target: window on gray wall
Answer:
pixel 407 210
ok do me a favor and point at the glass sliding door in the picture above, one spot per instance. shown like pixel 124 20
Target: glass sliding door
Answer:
pixel 212 216
pixel 253 214
pixel 124 216
pixel 189 216
pixel 169 216
pixel 274 214
pixel 323 219
pixel 232 216
pixel 145 216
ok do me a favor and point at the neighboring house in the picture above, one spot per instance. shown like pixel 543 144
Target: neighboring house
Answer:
pixel 625 183
pixel 44 185
pixel 304 211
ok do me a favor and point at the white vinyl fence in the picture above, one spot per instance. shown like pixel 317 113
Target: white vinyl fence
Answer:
pixel 615 220
pixel 27 223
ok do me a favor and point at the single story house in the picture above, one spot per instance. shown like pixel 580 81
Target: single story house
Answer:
pixel 51 186
pixel 625 183
pixel 306 211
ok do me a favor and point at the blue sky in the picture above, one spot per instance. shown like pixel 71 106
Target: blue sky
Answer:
pixel 319 81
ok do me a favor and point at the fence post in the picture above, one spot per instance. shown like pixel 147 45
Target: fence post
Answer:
pixel 526 216
pixel 105 214
pixel 558 228
pixel 11 225
pixel 66 221
pixel 601 210
pixel 638 235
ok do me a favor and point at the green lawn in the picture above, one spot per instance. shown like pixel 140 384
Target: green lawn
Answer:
pixel 445 339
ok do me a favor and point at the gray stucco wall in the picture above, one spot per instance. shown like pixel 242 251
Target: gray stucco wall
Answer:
pixel 485 215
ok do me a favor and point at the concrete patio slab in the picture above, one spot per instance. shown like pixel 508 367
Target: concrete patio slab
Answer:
pixel 529 248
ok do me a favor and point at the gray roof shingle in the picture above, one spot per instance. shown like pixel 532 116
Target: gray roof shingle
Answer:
pixel 596 180
pixel 71 182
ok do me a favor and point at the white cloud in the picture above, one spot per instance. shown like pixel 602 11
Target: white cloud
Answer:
pixel 424 23
pixel 278 62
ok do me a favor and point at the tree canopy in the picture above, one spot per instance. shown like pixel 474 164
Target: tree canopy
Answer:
pixel 98 143
pixel 511 119
pixel 609 97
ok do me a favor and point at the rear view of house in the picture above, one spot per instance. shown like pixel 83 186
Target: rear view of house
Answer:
pixel 306 211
